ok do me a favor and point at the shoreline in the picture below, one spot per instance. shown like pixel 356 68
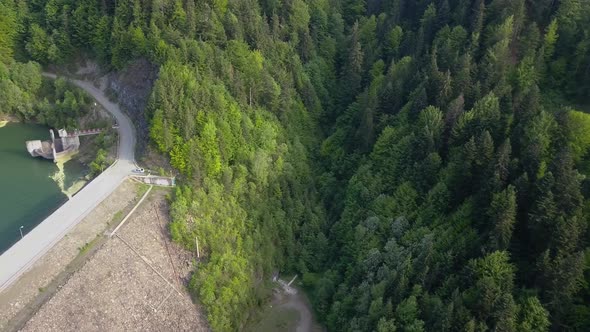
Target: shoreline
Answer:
pixel 44 186
pixel 6 119
pixel 80 156
pixel 68 182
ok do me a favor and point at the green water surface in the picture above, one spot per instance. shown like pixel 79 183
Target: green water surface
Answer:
pixel 28 194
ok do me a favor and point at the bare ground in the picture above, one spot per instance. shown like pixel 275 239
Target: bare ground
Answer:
pixel 134 282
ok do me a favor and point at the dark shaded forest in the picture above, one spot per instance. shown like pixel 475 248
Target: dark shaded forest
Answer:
pixel 423 164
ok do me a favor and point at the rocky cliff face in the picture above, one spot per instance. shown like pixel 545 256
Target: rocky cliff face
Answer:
pixel 132 87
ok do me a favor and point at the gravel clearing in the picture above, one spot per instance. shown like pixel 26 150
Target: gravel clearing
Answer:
pixel 118 289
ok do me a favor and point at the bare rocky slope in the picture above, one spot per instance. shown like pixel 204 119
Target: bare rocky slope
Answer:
pixel 132 87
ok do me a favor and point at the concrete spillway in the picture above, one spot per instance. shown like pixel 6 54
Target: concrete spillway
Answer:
pixel 56 148
pixel 38 148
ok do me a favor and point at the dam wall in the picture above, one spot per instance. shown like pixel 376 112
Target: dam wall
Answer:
pixel 56 148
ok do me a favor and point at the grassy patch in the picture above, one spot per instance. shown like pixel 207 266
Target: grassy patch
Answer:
pixel 84 249
pixel 270 315
pixel 141 189
pixel 275 319
pixel 117 217
pixel 164 190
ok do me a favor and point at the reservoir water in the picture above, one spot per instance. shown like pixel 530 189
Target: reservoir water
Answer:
pixel 30 188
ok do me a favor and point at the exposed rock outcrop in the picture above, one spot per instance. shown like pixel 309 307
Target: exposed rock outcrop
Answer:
pixel 133 86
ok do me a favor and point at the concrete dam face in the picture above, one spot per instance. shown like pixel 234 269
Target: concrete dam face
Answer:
pixel 57 148
pixel 39 148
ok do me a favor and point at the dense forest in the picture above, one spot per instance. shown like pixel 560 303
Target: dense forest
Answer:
pixel 26 96
pixel 422 163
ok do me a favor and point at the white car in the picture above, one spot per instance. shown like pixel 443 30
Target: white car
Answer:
pixel 139 170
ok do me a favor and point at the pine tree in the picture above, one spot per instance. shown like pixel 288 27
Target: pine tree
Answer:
pixel 502 213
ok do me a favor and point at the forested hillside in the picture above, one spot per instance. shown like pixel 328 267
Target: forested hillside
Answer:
pixel 423 164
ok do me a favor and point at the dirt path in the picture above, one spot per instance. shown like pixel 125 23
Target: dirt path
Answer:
pixel 292 298
pixel 304 324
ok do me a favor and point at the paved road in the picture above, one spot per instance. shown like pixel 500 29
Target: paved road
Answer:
pixel 21 256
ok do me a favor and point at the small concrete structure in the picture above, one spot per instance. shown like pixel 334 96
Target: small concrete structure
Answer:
pixel 155 180
pixel 57 148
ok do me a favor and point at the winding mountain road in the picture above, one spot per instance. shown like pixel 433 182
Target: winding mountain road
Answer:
pixel 22 255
